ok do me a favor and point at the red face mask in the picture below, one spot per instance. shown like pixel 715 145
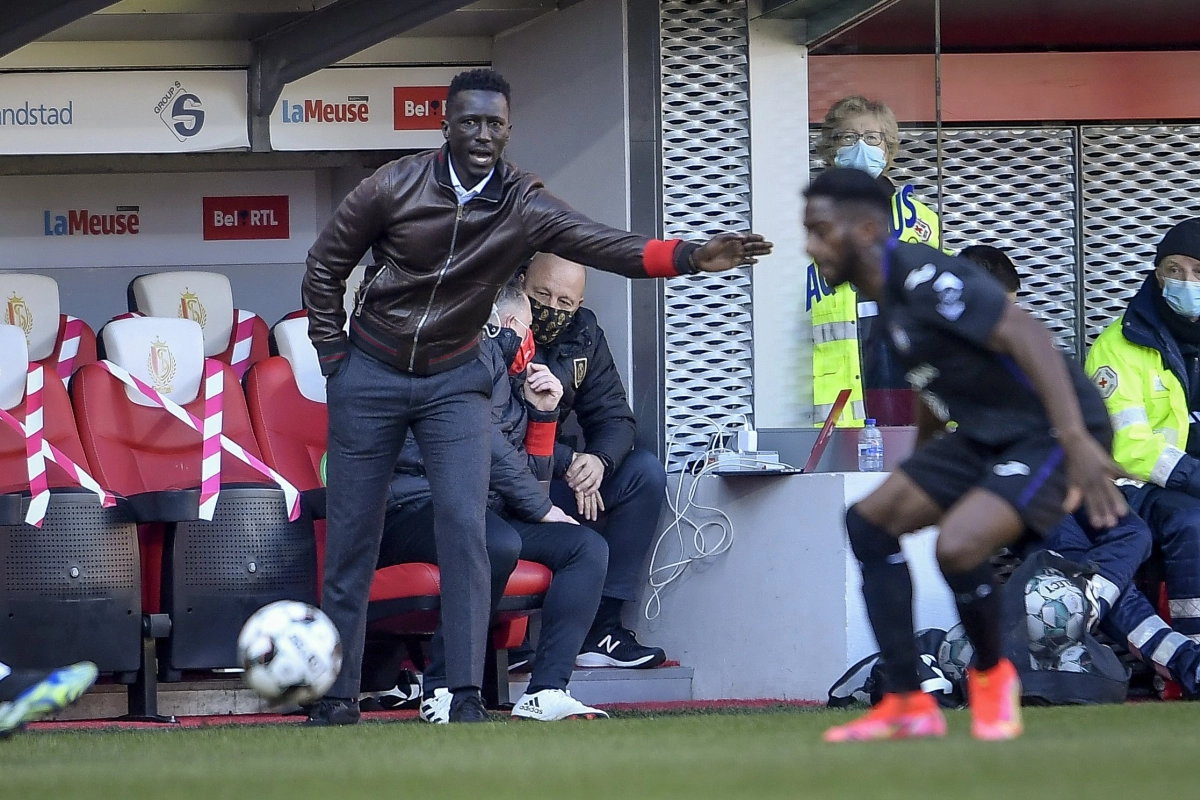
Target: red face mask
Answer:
pixel 518 353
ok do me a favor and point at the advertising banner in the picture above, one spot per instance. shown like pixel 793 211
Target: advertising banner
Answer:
pixel 365 108
pixel 168 111
pixel 159 219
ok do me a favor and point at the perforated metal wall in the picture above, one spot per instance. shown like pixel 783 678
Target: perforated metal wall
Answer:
pixel 248 544
pixel 1137 183
pixel 1010 188
pixel 81 551
pixel 706 190
pixel 1014 189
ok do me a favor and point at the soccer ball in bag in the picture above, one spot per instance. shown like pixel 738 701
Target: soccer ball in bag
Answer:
pixel 955 654
pixel 1075 658
pixel 1055 613
pixel 291 653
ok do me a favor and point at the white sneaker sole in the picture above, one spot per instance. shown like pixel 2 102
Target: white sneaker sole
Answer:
pixel 599 660
pixel 593 714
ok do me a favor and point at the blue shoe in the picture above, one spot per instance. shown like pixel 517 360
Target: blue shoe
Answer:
pixel 27 694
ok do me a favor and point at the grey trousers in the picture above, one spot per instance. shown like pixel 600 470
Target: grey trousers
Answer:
pixel 372 405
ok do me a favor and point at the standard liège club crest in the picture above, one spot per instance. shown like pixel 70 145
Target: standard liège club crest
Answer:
pixel 17 312
pixel 161 366
pixel 191 308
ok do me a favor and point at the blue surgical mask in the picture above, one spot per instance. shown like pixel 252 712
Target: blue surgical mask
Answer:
pixel 868 158
pixel 1183 297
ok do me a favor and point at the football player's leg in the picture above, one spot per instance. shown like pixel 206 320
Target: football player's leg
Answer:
pixel 975 528
pixel 887 593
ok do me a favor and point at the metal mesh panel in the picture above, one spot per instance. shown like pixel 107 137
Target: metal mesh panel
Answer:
pixel 80 551
pixel 1137 183
pixel 706 190
pixel 249 544
pixel 1014 189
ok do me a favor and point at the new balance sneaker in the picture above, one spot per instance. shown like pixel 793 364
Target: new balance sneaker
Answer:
pixel 436 709
pixel 332 711
pixel 618 647
pixel 995 699
pixel 914 715
pixel 550 705
pixel 26 694
pixel 467 707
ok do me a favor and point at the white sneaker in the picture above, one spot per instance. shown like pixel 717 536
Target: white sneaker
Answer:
pixel 436 709
pixel 550 705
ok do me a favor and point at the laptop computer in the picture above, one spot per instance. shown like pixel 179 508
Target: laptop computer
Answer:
pixel 816 451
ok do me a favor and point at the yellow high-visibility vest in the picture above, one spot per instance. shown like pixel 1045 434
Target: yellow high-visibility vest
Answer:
pixel 837 357
pixel 1146 403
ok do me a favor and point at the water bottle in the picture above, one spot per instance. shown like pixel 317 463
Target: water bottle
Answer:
pixel 870 448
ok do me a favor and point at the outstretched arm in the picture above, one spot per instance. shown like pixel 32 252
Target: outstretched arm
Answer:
pixel 553 226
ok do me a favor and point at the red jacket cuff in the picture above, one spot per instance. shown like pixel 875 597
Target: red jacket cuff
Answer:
pixel 540 437
pixel 658 258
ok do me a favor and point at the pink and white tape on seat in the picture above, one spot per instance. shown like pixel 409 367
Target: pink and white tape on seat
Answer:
pixel 69 348
pixel 37 450
pixel 210 471
pixel 243 338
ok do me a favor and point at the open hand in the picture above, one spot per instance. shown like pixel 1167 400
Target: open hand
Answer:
pixel 585 473
pixel 727 251
pixel 542 389
pixel 1090 475
pixel 589 505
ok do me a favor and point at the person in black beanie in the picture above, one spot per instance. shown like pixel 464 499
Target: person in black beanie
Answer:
pixel 1147 367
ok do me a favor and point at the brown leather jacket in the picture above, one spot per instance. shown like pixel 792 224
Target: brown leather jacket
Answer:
pixel 439 265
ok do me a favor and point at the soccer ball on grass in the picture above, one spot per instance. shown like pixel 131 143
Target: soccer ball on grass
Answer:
pixel 291 653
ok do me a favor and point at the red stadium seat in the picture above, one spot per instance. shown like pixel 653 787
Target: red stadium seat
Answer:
pixel 69 590
pixel 208 576
pixel 55 340
pixel 231 335
pixel 286 397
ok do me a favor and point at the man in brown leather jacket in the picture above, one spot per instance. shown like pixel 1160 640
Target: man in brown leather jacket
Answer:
pixel 447 229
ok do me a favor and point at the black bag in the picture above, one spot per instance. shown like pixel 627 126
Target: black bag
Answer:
pixel 1045 611
pixel 863 682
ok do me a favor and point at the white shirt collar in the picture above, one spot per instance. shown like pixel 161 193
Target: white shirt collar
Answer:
pixel 466 195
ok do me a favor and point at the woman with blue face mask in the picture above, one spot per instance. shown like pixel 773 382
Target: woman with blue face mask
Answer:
pixel 847 354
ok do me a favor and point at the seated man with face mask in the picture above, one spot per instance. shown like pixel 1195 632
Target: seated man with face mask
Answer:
pixel 1116 605
pixel 603 479
pixel 1147 367
pixel 521 522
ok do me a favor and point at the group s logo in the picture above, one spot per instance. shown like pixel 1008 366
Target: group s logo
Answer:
pixel 181 111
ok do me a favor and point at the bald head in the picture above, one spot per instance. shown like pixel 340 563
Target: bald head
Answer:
pixel 556 282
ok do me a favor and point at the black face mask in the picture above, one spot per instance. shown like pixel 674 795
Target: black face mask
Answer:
pixel 548 323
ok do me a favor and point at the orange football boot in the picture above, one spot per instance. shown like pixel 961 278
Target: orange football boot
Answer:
pixel 912 715
pixel 995 699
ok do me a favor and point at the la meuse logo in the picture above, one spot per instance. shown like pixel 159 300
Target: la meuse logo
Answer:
pixel 125 221
pixel 355 109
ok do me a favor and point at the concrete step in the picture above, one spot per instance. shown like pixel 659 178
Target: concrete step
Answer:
pixel 601 686
pixel 230 696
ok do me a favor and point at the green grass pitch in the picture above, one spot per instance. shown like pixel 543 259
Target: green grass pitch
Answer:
pixel 1132 752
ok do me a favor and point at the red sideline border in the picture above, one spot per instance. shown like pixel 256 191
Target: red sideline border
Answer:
pixel 383 716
